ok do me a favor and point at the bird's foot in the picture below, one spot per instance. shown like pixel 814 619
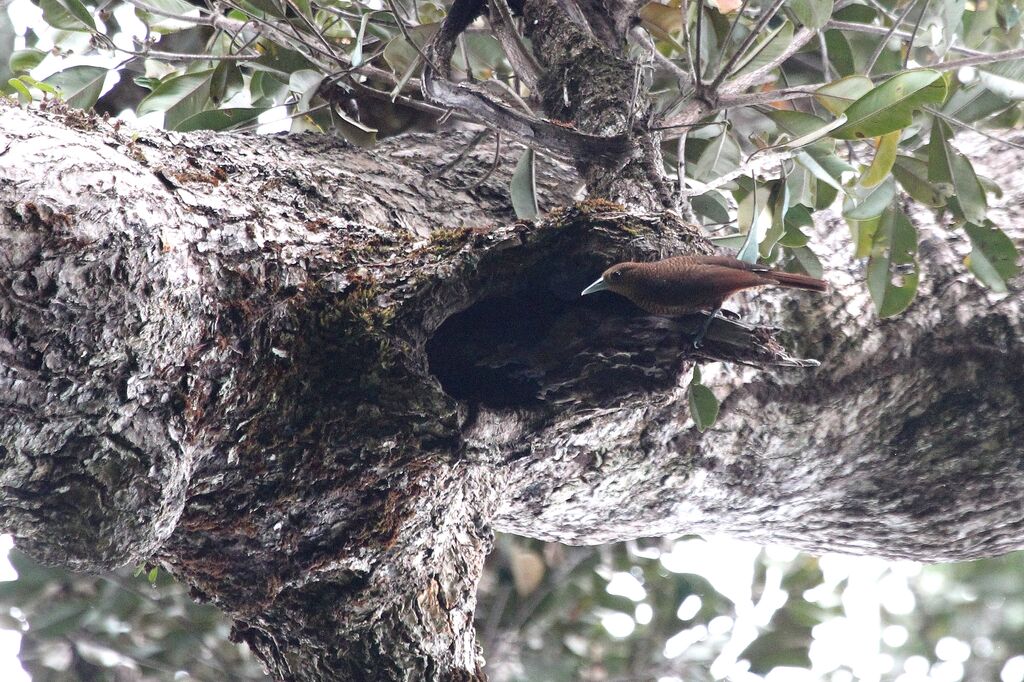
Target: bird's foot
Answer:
pixel 698 341
pixel 729 314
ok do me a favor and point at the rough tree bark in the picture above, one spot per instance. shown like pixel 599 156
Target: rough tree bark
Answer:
pixel 311 382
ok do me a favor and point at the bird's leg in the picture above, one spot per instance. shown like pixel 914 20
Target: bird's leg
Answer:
pixel 698 341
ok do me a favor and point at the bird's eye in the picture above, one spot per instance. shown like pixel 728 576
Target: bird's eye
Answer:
pixel 617 274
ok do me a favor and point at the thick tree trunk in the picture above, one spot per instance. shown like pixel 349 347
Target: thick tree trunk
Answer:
pixel 310 382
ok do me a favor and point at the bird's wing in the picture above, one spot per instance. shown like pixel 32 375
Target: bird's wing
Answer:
pixel 725 262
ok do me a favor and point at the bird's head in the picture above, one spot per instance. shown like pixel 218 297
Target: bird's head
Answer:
pixel 620 278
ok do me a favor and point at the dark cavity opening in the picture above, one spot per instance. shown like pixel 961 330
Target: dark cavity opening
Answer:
pixel 533 340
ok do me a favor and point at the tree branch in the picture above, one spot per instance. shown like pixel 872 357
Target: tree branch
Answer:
pixel 760 74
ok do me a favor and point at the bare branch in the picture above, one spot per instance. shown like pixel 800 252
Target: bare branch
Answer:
pixel 885 39
pixel 766 16
pixel 519 56
pixel 978 60
pixel 471 99
pixel 882 30
pixel 780 95
pixel 761 163
pixel 760 74
pixel 682 77
pixel 963 124
pixel 913 35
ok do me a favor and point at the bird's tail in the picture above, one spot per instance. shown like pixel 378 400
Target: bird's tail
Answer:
pixel 790 279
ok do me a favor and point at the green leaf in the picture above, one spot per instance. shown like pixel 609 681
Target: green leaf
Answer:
pixel 712 206
pixel 993 258
pixel 864 203
pixel 863 232
pixel 164 24
pixel 704 405
pixel 79 86
pixel 352 130
pixel 220 119
pixel 260 7
pixel 890 106
pixel 24 94
pixel 754 217
pixel 267 89
pixel 1007 88
pixel 178 97
pixel 523 187
pixel 893 272
pixel 779 202
pixel 795 123
pixel 67 15
pixel 817 170
pixel 913 177
pixel 816 135
pixel 944 17
pixel 152 575
pixel 805 262
pixel 357 50
pixel 720 156
pixel 812 13
pixel 955 175
pixel 661 20
pixel 306 84
pixel 25 60
pixel 802 187
pixel 840 54
pixel 764 52
pixel 837 96
pixel 796 217
pixel 281 61
pixel 885 157
pixel 226 81
pixel 400 55
pixel 60 619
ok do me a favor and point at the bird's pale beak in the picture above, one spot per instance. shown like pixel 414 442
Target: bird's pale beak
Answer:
pixel 599 285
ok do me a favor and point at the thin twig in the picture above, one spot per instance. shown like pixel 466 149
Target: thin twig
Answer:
pixel 882 30
pixel 519 55
pixel 885 39
pixel 682 77
pixel 510 92
pixel 184 56
pixel 913 34
pixel 684 37
pixel 766 16
pixel 780 95
pixel 288 117
pixel 758 75
pixel 968 126
pixel 981 59
pixel 763 162
pixel 826 66
pixel 681 161
pixel 735 21
pixel 698 73
pixel 470 146
pixel 408 36
pixel 313 29
pixel 494 163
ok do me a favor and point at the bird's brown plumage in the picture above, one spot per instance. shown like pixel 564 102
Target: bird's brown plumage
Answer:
pixel 689 284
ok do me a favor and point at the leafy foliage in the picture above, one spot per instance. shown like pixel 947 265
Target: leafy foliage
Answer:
pixel 638 610
pixel 142 627
pixel 888 80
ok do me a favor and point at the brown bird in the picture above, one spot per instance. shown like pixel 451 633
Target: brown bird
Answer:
pixel 688 284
